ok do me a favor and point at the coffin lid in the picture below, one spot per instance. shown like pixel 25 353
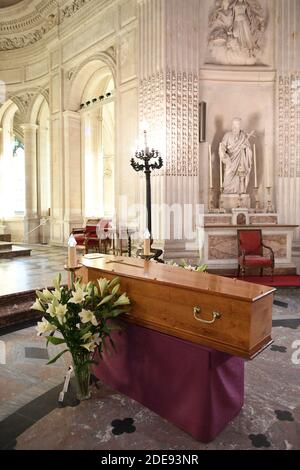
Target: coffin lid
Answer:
pixel 173 276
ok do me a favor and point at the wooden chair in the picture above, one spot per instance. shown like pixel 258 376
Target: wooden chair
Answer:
pixel 88 237
pixel 251 252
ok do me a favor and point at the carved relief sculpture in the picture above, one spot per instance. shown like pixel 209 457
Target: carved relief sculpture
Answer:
pixel 236 32
pixel 236 154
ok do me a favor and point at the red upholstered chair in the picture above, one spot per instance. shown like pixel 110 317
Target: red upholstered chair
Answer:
pixel 251 252
pixel 87 237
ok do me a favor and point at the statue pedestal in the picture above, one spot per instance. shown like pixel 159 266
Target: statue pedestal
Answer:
pixel 233 201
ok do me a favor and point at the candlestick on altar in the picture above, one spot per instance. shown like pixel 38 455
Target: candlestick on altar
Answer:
pixel 256 200
pixel 269 208
pixel 210 167
pixel 221 176
pixel 147 243
pixel 72 255
pixel 211 206
pixel 255 168
pixel 268 168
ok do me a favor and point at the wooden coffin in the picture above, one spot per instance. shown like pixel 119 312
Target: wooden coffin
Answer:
pixel 226 314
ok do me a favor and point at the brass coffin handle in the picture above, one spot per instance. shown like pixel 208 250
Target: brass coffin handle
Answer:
pixel 216 316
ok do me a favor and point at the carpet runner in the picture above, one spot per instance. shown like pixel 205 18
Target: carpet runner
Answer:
pixel 278 281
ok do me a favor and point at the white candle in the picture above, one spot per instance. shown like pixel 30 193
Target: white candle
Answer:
pixel 145 127
pixel 221 174
pixel 147 243
pixel 268 175
pixel 255 169
pixel 145 143
pixel 72 255
pixel 210 167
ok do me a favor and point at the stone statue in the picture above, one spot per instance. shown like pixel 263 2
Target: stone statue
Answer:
pixel 236 154
pixel 236 32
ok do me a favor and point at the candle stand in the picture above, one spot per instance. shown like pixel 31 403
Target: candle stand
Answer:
pixel 211 206
pixel 147 161
pixel 221 203
pixel 269 208
pixel 147 257
pixel 257 209
pixel 72 272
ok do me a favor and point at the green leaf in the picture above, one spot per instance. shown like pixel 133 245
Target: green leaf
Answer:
pixel 54 359
pixel 54 340
pixel 84 330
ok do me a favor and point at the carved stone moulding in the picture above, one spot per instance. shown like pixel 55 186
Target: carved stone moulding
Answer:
pixel 17 33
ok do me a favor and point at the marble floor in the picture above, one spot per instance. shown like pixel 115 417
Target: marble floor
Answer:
pixel 32 272
pixel 30 417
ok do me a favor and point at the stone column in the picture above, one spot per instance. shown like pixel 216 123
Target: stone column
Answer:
pixel 169 100
pixel 1 142
pixel 287 179
pixel 31 220
pixel 72 172
pixel 1 176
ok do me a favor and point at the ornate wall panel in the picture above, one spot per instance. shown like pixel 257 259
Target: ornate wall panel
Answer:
pixel 289 125
pixel 169 103
pixel 182 123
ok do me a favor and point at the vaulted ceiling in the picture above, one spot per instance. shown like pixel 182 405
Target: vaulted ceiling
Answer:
pixel 8 3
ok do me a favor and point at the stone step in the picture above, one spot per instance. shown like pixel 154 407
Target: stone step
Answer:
pixel 15 309
pixel 5 237
pixel 14 251
pixel 4 246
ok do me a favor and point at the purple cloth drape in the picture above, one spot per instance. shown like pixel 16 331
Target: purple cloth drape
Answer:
pixel 198 389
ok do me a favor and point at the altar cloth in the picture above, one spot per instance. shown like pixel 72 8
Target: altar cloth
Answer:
pixel 198 389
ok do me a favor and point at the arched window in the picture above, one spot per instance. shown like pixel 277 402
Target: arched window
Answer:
pixel 98 143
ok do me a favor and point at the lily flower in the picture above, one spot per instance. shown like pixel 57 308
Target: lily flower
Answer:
pixel 78 296
pixel 87 336
pixel 103 285
pixel 89 346
pixel 122 300
pixel 57 294
pixel 44 327
pixel 48 296
pixel 96 338
pixel 88 316
pixel 37 306
pixel 60 313
pixel 52 307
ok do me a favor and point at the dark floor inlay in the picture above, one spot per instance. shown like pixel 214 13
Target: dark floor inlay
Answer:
pixel 259 440
pixel 123 426
pixel 36 353
pixel 279 303
pixel 284 415
pixel 281 349
pixel 292 323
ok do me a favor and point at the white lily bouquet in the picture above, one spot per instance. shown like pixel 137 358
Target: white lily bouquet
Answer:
pixel 80 317
pixel 200 268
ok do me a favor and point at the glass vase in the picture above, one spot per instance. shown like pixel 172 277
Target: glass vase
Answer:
pixel 82 371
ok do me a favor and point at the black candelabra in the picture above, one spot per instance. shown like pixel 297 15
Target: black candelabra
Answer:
pixel 147 160
pixel 151 160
